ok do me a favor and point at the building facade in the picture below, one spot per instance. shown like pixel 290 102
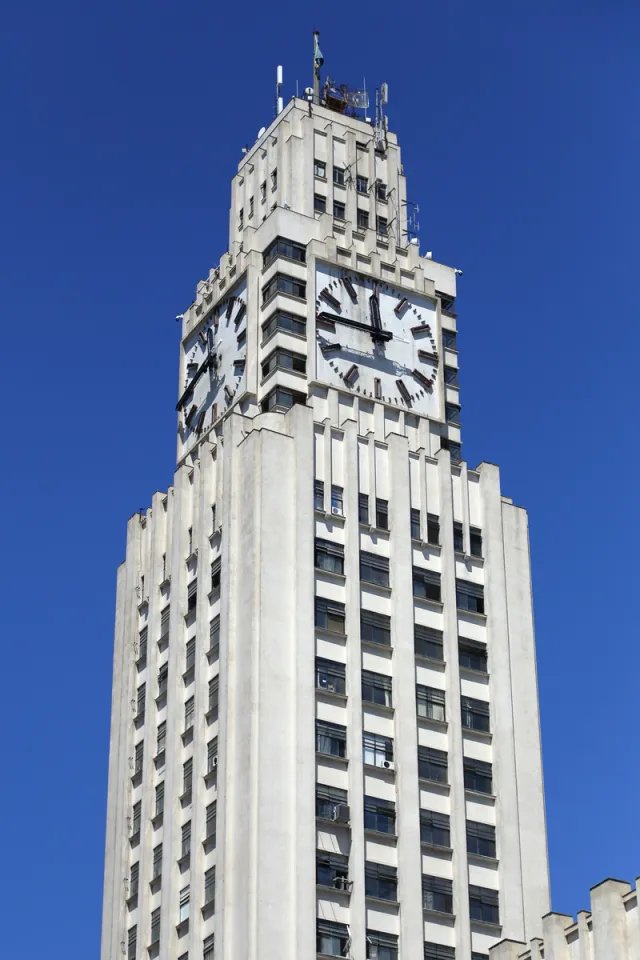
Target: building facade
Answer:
pixel 609 931
pixel 325 735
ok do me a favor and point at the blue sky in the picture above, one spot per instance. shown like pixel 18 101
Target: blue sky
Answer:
pixel 122 126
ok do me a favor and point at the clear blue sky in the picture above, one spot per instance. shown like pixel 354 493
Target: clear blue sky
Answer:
pixel 122 126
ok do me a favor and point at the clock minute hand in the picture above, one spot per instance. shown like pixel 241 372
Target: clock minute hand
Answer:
pixel 376 334
pixel 206 363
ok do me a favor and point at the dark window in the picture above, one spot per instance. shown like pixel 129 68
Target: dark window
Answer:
pixel 374 569
pixel 164 622
pixel 454 448
pixel 134 880
pixel 214 693
pixel 216 568
pixel 210 886
pixel 132 942
pixel 163 679
pixel 329 556
pixel 382 514
pixel 379 815
pixel 142 648
pixel 448 303
pixel 141 697
pixel 483 904
pixel 475 714
pixel 381 191
pixel 363 219
pixel 190 655
pixel 136 818
pixel 475 542
pixel 281 247
pixel 263 191
pixel 381 946
pixel 375 627
pixel 274 178
pixel 327 799
pixel 192 596
pixel 363 508
pixel 319 203
pixel 479 956
pixel 437 894
pixel 187 777
pixel 426 584
pixel 251 206
pixel 211 821
pixel 318 495
pixel 280 320
pixel 449 339
pixel 332 939
pixel 481 838
pixel 382 226
pixel 330 676
pixel 469 596
pixel 380 881
pixel 438 951
pixel 435 828
pixel 337 504
pixel 478 775
pixel 338 176
pixel 214 635
pixel 189 713
pixel 185 848
pixel 452 412
pixel 212 754
pixel 280 399
pixel 377 750
pixel 319 168
pixel 281 359
pixel 281 283
pixel 330 615
pixel 362 184
pixel 332 869
pixel 155 926
pixel 428 642
pixel 433 529
pixel 415 524
pixel 339 210
pixel 241 219
pixel 208 945
pixel 433 765
pixel 430 703
pixel 472 654
pixel 458 537
pixel 451 376
pixel 376 688
pixel 331 738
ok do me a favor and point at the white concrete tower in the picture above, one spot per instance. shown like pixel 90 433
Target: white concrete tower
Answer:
pixel 325 736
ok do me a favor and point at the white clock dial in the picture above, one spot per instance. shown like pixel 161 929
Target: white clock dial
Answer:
pixel 377 340
pixel 214 364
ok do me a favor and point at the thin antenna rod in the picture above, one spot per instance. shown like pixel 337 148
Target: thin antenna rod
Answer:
pixel 318 60
pixel 278 91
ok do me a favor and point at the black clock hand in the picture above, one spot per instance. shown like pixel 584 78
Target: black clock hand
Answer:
pixel 376 334
pixel 206 363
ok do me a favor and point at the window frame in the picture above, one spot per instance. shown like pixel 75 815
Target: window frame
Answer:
pixel 374 569
pixel 380 684
pixel 335 674
pixel 282 247
pixel 285 284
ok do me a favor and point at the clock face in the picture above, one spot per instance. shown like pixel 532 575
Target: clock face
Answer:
pixel 214 365
pixel 377 340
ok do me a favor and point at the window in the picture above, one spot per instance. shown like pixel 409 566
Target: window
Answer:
pixel 415 524
pixel 375 628
pixel 157 861
pixel 475 714
pixel 427 642
pixel 458 537
pixel 437 894
pixel 281 247
pixel 376 688
pixel 426 584
pixel 381 191
pixel 212 754
pixel 363 508
pixel 132 942
pixel 452 412
pixel 251 208
pixel 192 596
pixel 374 569
pixel 362 184
pixel 210 886
pixel 318 495
pixel 478 775
pixel 337 503
pixel 241 219
pixel 332 869
pixel 280 320
pixel 185 896
pixel 430 703
pixel 433 765
pixel 319 169
pixel 330 676
pixel 363 219
pixel 274 178
pixel 281 399
pixel 329 556
pixel 189 711
pixel 472 654
pixel 140 701
pixel 214 688
pixel 186 839
pixel 138 758
pixel 331 739
pixel 449 339
pixel 136 818
pixel 475 542
pixel 282 283
pixel 319 203
pixel 164 622
pixel 159 808
pixel 433 529
pixel 161 738
pixel 163 679
pixel 134 880
pixel 479 956
pixel 382 514
pixel 455 449
pixel 451 376
pixel 338 176
pixel 339 210
pixel 187 777
pixel 190 655
pixel 327 799
pixel 483 904
pixel 481 838
pixel 281 359
pixel 379 815
pixel 263 191
pixel 381 946
pixel 382 226
pixel 469 596
pixel 330 615
pixel 214 635
pixel 216 568
pixel 332 938
pixel 208 948
pixel 380 881
pixel 211 817
pixel 142 648
pixel 377 750
pixel 435 828
pixel 155 926
pixel 438 951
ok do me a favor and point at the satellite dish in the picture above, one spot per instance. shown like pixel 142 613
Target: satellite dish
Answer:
pixel 261 131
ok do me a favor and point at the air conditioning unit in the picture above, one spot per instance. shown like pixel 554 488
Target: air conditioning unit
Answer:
pixel 214 763
pixel 336 511
pixel 388 764
pixel 341 813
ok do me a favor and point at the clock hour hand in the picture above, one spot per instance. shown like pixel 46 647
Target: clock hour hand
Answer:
pixel 375 333
pixel 204 366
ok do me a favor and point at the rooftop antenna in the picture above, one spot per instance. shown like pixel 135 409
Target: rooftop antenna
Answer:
pixel 318 60
pixel 382 97
pixel 278 91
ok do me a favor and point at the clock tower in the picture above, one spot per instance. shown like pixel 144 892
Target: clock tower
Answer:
pixel 325 737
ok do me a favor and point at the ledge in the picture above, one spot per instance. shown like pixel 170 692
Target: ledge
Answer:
pixel 495 929
pixel 488 798
pixel 435 785
pixel 377 647
pixel 392 838
pixel 333 697
pixel 382 900
pixel 184 861
pixel 429 723
pixel 432 661
pixel 188 675
pixel 159 759
pixel 165 583
pixel 186 798
pixel 330 634
pixel 448 918
pixel 341 762
pixel 472 674
pixel 471 615
pixel 329 888
pixel 330 575
pixel 212 653
pixel 187 735
pixel 481 736
pixel 426 604
pixel 436 848
pixel 388 771
pixel 378 588
pixel 157 820
pixel 481 861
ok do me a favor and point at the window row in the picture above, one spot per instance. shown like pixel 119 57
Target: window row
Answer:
pixel 184 903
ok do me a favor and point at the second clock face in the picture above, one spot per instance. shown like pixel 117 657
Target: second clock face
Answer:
pixel 377 340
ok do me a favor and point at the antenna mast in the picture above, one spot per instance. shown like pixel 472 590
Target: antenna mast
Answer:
pixel 318 60
pixel 278 91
